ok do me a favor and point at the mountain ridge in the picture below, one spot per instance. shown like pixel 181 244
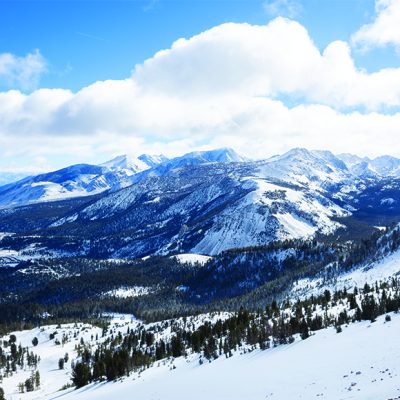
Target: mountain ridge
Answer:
pixel 209 202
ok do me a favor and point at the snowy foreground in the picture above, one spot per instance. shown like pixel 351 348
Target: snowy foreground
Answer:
pixel 362 362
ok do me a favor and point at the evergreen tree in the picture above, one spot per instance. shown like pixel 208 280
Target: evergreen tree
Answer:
pixel 37 379
pixel 81 375
pixel 304 330
pixel 29 385
pixel 370 309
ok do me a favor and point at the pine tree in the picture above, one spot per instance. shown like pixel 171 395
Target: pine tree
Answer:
pixel 352 302
pixel 304 330
pixel 37 379
pixel 369 308
pixel 81 375
pixel 176 346
pixel 29 385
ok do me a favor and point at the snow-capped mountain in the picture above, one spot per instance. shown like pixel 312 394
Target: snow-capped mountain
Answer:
pixel 383 166
pixel 193 159
pixel 208 209
pixel 188 205
pixel 208 202
pixel 84 179
pixel 224 155
pixel 76 181
pixel 317 169
pixel 134 165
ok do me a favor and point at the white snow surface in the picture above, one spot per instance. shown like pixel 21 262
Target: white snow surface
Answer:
pixel 361 363
pixel 134 291
pixel 192 258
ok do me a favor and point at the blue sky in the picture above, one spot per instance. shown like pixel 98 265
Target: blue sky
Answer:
pixel 86 41
pixel 331 81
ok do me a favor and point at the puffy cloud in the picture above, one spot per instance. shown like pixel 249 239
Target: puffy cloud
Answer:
pixel 384 30
pixel 21 72
pixel 272 60
pixel 225 86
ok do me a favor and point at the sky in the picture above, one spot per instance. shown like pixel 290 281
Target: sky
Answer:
pixel 84 81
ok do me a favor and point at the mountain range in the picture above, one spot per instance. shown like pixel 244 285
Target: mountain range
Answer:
pixel 201 202
pixel 297 254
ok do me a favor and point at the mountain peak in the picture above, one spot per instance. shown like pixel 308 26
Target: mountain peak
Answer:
pixel 143 162
pixel 153 160
pixel 224 154
pixel 120 161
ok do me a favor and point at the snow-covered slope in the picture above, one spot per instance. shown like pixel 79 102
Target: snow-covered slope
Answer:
pixel 355 364
pixel 379 271
pixel 360 363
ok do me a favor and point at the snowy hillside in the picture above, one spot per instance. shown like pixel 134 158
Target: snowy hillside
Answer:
pixel 328 365
pixel 379 271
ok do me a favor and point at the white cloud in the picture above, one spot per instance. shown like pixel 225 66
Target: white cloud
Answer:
pixel 284 8
pixel 21 72
pixel 272 60
pixel 222 87
pixel 384 30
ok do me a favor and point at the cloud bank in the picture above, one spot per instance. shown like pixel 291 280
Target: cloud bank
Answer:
pixel 230 85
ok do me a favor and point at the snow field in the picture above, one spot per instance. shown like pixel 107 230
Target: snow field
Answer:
pixel 361 363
